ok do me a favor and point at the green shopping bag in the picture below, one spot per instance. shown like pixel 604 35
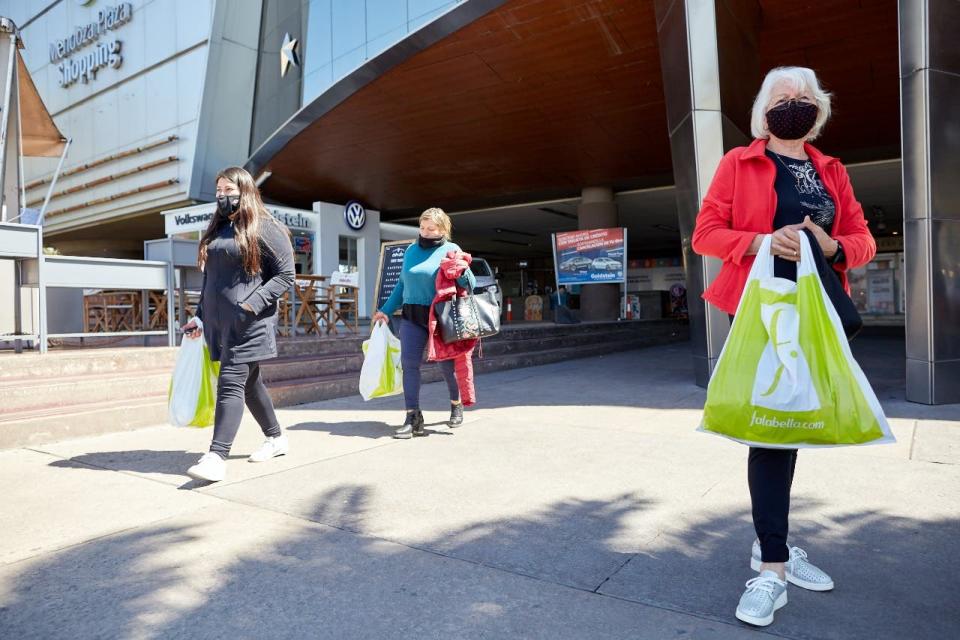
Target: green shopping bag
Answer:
pixel 381 374
pixel 786 377
pixel 192 398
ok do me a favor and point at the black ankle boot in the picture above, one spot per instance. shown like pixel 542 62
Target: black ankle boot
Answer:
pixel 412 426
pixel 418 429
pixel 456 415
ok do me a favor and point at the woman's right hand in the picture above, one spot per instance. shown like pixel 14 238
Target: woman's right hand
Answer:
pixel 380 317
pixel 786 242
pixel 191 330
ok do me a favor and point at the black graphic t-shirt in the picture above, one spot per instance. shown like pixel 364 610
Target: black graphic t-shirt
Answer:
pixel 800 193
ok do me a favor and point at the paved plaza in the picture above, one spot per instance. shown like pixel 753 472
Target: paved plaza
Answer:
pixel 576 502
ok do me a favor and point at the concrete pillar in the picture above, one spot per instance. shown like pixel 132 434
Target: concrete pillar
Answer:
pixel 708 90
pixel 930 93
pixel 598 210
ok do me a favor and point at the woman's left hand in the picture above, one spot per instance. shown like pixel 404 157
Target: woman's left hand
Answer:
pixel 827 244
pixel 246 307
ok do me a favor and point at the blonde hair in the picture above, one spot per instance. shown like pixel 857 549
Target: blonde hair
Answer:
pixel 439 217
pixel 801 79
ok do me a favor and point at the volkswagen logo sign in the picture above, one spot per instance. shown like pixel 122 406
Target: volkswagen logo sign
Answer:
pixel 355 215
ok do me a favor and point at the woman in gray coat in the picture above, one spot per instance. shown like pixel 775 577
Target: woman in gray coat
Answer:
pixel 247 263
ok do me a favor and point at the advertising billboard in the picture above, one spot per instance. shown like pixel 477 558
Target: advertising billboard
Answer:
pixel 591 256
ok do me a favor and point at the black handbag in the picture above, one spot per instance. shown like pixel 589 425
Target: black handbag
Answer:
pixel 476 315
pixel 846 309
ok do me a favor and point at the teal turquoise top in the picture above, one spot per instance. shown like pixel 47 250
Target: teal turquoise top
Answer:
pixel 418 279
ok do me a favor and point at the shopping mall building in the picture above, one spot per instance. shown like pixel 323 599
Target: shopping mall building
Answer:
pixel 520 117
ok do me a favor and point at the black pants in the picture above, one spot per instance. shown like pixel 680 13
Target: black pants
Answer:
pixel 239 385
pixel 770 476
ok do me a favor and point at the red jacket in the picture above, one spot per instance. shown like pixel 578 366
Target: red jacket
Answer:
pixel 741 203
pixel 461 352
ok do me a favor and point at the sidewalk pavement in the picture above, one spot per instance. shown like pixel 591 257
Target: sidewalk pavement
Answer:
pixel 576 502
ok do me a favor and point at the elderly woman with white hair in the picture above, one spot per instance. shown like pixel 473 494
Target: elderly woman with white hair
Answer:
pixel 779 185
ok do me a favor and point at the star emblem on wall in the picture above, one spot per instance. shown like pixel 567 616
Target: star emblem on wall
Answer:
pixel 288 54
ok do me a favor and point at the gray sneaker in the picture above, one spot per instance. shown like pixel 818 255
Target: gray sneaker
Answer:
pixel 798 569
pixel 765 594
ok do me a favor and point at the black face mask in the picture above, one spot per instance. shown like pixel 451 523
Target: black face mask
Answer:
pixel 792 120
pixel 430 243
pixel 228 205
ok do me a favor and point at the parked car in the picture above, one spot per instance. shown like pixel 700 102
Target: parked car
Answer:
pixel 607 264
pixel 486 279
pixel 577 263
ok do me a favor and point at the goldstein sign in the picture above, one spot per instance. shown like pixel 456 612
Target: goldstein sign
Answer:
pixel 84 67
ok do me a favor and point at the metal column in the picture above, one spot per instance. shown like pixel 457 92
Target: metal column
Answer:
pixel 9 123
pixel 700 131
pixel 929 95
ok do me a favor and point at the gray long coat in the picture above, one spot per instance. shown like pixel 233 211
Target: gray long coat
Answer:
pixel 236 336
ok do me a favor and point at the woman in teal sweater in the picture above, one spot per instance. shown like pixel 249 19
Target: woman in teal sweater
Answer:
pixel 413 295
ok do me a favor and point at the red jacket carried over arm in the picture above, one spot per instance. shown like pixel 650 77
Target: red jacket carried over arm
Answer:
pixel 740 204
pixel 461 352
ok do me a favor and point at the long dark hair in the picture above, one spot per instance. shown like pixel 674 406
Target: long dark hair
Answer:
pixel 246 221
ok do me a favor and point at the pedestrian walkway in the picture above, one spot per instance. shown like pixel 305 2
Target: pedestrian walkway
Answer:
pixel 577 502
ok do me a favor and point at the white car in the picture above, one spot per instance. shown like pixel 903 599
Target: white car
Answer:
pixel 486 279
pixel 607 264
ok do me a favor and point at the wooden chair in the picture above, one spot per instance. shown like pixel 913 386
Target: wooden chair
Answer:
pixel 313 304
pixel 345 308
pixel 122 309
pixel 94 312
pixel 285 315
pixel 158 309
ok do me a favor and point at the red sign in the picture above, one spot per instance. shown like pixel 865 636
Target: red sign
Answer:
pixel 590 239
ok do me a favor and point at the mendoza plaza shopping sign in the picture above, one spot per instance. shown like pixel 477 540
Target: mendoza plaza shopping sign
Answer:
pixel 590 256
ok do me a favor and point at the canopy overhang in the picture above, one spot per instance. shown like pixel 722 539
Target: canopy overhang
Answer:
pixel 519 101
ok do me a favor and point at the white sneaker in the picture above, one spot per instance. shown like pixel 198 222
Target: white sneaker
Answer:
pixel 798 570
pixel 209 467
pixel 765 594
pixel 271 448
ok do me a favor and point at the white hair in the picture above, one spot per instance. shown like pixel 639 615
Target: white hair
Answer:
pixel 801 79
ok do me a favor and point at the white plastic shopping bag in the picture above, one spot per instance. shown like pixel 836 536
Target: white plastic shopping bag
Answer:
pixel 382 373
pixel 193 388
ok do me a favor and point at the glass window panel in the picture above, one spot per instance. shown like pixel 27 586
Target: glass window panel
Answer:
pixel 384 42
pixel 423 11
pixel 318 49
pixel 349 26
pixel 384 16
pixel 347 63
pixel 348 255
pixel 316 83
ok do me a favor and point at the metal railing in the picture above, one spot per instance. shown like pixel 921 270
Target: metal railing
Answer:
pixel 24 244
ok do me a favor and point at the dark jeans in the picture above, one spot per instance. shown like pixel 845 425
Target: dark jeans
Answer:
pixel 770 476
pixel 241 384
pixel 413 342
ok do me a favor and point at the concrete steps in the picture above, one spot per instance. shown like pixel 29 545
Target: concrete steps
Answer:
pixel 77 393
pixel 514 348
pixel 52 393
pixel 41 426
pixel 32 365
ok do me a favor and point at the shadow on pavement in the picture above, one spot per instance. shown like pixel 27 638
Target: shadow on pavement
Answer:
pixel 173 463
pixel 895 578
